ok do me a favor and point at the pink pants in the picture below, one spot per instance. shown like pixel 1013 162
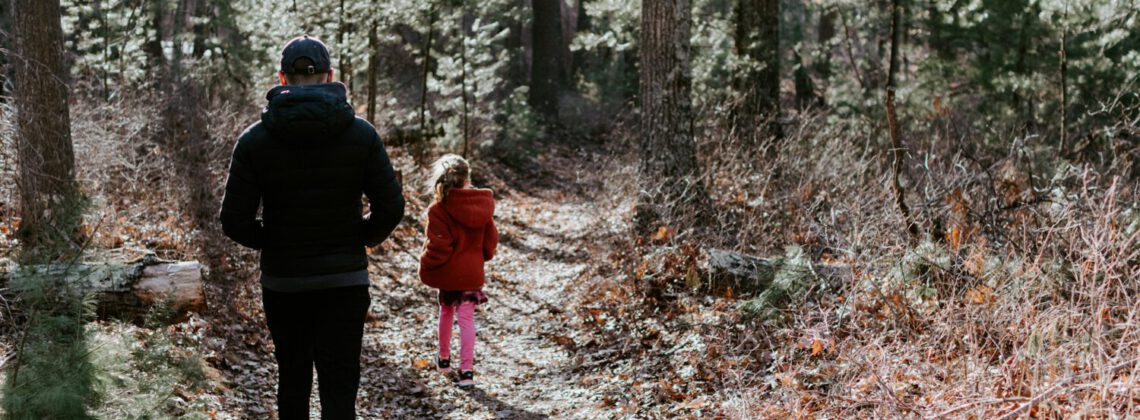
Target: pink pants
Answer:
pixel 466 333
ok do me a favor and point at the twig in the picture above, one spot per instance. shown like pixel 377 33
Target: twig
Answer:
pixel 1053 390
pixel 947 413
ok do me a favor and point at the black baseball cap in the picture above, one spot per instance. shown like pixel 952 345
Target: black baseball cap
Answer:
pixel 305 47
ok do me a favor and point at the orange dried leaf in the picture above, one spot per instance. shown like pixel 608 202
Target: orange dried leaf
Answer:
pixel 421 363
pixel 980 294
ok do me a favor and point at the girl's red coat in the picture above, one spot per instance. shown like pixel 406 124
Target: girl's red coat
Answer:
pixel 461 237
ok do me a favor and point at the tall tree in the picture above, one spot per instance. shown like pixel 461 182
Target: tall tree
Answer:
pixel 373 62
pixel 546 66
pixel 344 26
pixel 805 87
pixel 825 35
pixel 671 189
pixel 893 120
pixel 155 59
pixel 5 43
pixel 424 139
pixel 757 36
pixel 50 201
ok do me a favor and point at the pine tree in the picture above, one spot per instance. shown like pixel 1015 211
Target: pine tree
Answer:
pixel 50 201
pixel 671 189
pixel 758 38
pixel 546 67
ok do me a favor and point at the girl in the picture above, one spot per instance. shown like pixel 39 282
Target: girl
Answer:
pixel 461 236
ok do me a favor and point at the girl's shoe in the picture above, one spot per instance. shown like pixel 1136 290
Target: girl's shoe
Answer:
pixel 466 379
pixel 444 365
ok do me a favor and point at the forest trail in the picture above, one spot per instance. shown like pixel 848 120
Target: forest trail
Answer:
pixel 525 358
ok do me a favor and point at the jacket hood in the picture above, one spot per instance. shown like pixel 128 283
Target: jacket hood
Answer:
pixel 471 207
pixel 306 114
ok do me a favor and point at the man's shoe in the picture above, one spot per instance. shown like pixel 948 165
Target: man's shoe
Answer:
pixel 466 379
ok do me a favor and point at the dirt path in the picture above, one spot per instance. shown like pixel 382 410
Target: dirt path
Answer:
pixel 524 353
pixel 526 366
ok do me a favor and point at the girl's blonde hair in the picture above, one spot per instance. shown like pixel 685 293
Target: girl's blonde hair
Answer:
pixel 449 172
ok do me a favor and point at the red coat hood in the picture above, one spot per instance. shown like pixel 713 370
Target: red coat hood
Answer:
pixel 471 207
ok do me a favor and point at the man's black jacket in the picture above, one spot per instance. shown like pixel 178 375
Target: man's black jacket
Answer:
pixel 306 164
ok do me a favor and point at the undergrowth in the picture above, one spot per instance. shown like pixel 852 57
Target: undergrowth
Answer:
pixel 1022 286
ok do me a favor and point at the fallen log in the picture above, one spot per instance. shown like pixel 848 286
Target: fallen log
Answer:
pixel 145 289
pixel 764 284
pixel 726 270
pixel 745 274
pixel 726 273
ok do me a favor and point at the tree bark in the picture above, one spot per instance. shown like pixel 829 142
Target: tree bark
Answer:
pixel 568 18
pixel 825 37
pixel 6 70
pixel 342 31
pixel 373 46
pixel 723 270
pixel 1064 82
pixel 423 141
pixel 801 76
pixel 126 290
pixel 155 61
pixel 463 77
pixel 50 201
pixel 757 36
pixel 670 187
pixel 893 121
pixel 1023 102
pixel 201 18
pixel 546 67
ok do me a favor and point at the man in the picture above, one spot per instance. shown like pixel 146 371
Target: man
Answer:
pixel 306 164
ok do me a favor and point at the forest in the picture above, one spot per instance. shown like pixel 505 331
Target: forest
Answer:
pixel 704 208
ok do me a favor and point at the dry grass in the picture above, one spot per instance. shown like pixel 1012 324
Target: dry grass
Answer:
pixel 1025 283
pixel 1023 289
pixel 1022 293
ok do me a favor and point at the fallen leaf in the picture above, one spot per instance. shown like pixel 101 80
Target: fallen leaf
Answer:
pixel 980 294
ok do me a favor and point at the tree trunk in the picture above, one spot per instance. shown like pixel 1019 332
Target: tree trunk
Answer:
pixel 50 201
pixel 801 77
pixel 1064 82
pixel 757 36
pixel 345 49
pixel 546 67
pixel 938 42
pixel 6 68
pixel 423 142
pixel 1022 101
pixel 187 136
pixel 581 24
pixel 826 39
pixel 893 121
pixel 568 17
pixel 671 188
pixel 104 33
pixel 373 46
pixel 201 18
pixel 155 60
pixel 463 77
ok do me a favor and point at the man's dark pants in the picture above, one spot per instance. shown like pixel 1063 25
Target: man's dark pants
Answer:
pixel 321 327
